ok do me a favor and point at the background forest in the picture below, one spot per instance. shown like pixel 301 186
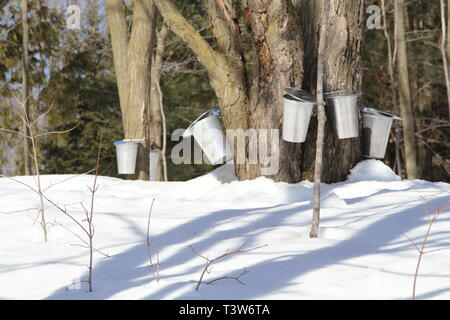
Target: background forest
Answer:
pixel 73 71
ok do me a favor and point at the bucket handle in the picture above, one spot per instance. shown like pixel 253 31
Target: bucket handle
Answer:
pixel 379 113
pixel 188 131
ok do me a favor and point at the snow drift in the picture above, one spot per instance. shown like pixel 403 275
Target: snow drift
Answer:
pixel 360 254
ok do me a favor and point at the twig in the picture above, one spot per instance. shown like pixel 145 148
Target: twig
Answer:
pixel 431 220
pixel 157 266
pixel 67 179
pixel 82 240
pixel 30 135
pixel 237 278
pixel 57 132
pixel 209 262
pixel 149 241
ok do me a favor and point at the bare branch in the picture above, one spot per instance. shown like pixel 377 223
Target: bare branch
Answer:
pixel 209 262
pixel 412 242
pixel 56 132
pixel 207 56
pixel 149 241
pixel 15 132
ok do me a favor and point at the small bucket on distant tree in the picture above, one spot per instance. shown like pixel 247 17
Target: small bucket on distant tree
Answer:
pixel 154 160
pixel 343 109
pixel 376 129
pixel 126 152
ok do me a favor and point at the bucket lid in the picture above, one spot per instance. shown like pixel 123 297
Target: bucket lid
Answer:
pixel 334 94
pixel 379 113
pixel 300 94
pixel 299 101
pixel 212 112
pixel 124 141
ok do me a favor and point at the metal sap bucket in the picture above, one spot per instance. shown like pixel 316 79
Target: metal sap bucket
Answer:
pixel 297 109
pixel 296 117
pixel 343 109
pixel 208 132
pixel 154 160
pixel 126 152
pixel 376 128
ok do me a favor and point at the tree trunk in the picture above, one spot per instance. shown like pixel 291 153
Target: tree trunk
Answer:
pixel 281 31
pixel 25 88
pixel 393 85
pixel 137 113
pixel 405 92
pixel 157 132
pixel 132 62
pixel 343 72
pixel 443 48
pixel 225 66
pixel 321 121
pixel 278 46
pixel 448 30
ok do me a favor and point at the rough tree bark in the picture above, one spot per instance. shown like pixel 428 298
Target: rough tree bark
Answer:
pixel 343 71
pixel 25 88
pixel 284 37
pixel 278 44
pixel 132 62
pixel 405 92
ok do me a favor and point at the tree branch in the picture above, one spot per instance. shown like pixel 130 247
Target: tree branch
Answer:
pixel 225 27
pixel 207 56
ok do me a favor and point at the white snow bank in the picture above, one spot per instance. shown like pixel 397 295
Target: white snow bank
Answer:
pixel 372 170
pixel 221 185
pixel 332 201
pixel 360 254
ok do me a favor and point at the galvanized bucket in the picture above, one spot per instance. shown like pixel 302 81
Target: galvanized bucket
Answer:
pixel 126 152
pixel 208 131
pixel 296 118
pixel 376 128
pixel 300 94
pixel 154 159
pixel 343 109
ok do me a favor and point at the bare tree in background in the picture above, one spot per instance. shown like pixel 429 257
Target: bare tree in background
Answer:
pixel 157 116
pixel 444 52
pixel 132 63
pixel 393 85
pixel 405 91
pixel 25 83
pixel 448 30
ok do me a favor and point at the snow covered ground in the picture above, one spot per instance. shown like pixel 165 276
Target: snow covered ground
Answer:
pixel 360 254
